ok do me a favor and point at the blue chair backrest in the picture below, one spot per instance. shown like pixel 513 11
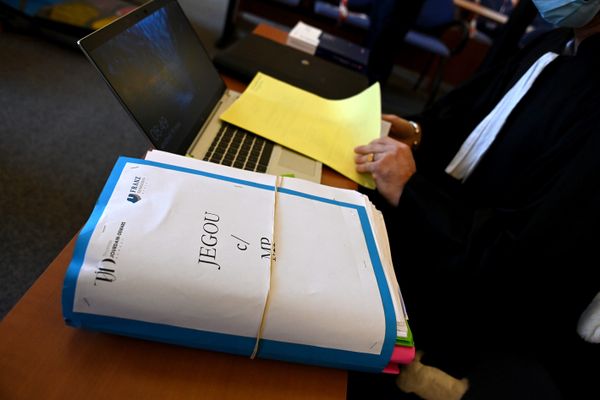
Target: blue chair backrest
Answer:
pixel 359 5
pixel 435 13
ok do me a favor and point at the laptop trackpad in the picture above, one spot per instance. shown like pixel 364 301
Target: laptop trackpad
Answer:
pixel 291 159
pixel 285 161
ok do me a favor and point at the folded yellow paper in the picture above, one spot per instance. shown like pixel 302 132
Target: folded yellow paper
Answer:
pixel 326 130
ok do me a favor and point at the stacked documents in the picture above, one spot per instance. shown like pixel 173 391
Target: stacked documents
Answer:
pixel 304 37
pixel 187 252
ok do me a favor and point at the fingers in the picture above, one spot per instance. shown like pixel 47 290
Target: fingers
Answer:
pixel 368 155
pixel 365 167
pixel 367 162
pixel 364 158
pixel 390 117
pixel 368 148
pixel 378 145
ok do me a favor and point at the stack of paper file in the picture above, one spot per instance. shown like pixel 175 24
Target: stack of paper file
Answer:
pixel 314 41
pixel 187 252
pixel 304 38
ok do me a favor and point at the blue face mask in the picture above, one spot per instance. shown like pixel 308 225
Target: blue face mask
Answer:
pixel 568 13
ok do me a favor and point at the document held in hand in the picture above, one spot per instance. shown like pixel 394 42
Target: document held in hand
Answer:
pixel 186 252
pixel 323 129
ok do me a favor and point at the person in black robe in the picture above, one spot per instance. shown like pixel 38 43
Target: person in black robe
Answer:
pixel 496 270
pixel 390 20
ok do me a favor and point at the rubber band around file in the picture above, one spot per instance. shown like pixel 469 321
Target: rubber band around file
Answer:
pixel 271 264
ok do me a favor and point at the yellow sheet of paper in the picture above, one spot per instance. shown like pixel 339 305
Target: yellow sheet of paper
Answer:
pixel 323 129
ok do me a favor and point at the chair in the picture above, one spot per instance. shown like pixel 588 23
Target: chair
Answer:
pixel 503 27
pixel 435 20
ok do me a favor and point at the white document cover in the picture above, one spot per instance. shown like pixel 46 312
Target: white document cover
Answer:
pixel 182 254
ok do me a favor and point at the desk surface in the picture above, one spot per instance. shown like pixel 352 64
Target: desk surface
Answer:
pixel 42 358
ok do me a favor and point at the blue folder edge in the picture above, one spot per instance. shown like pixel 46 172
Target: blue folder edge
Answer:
pixel 223 342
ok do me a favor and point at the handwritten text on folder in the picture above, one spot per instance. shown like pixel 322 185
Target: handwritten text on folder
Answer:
pixel 326 130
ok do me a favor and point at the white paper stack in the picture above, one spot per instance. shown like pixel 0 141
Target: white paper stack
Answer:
pixel 304 38
pixel 188 252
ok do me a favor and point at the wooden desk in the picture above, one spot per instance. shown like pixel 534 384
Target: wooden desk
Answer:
pixel 483 11
pixel 42 358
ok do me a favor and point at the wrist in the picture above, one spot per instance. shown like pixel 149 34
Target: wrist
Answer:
pixel 416 136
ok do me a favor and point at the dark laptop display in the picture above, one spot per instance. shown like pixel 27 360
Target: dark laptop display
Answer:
pixel 157 68
pixel 155 64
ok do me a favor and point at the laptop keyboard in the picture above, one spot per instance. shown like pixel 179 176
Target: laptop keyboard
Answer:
pixel 236 147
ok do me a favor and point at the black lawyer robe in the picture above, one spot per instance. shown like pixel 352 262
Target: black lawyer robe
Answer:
pixel 505 263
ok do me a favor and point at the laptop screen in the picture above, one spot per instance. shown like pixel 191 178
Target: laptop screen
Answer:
pixel 157 67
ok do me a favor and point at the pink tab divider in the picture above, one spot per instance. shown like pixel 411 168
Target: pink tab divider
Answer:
pixel 400 355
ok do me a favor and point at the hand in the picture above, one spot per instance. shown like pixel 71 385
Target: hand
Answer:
pixel 401 129
pixel 390 162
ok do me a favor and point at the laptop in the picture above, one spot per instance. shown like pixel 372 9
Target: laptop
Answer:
pixel 253 53
pixel 157 67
